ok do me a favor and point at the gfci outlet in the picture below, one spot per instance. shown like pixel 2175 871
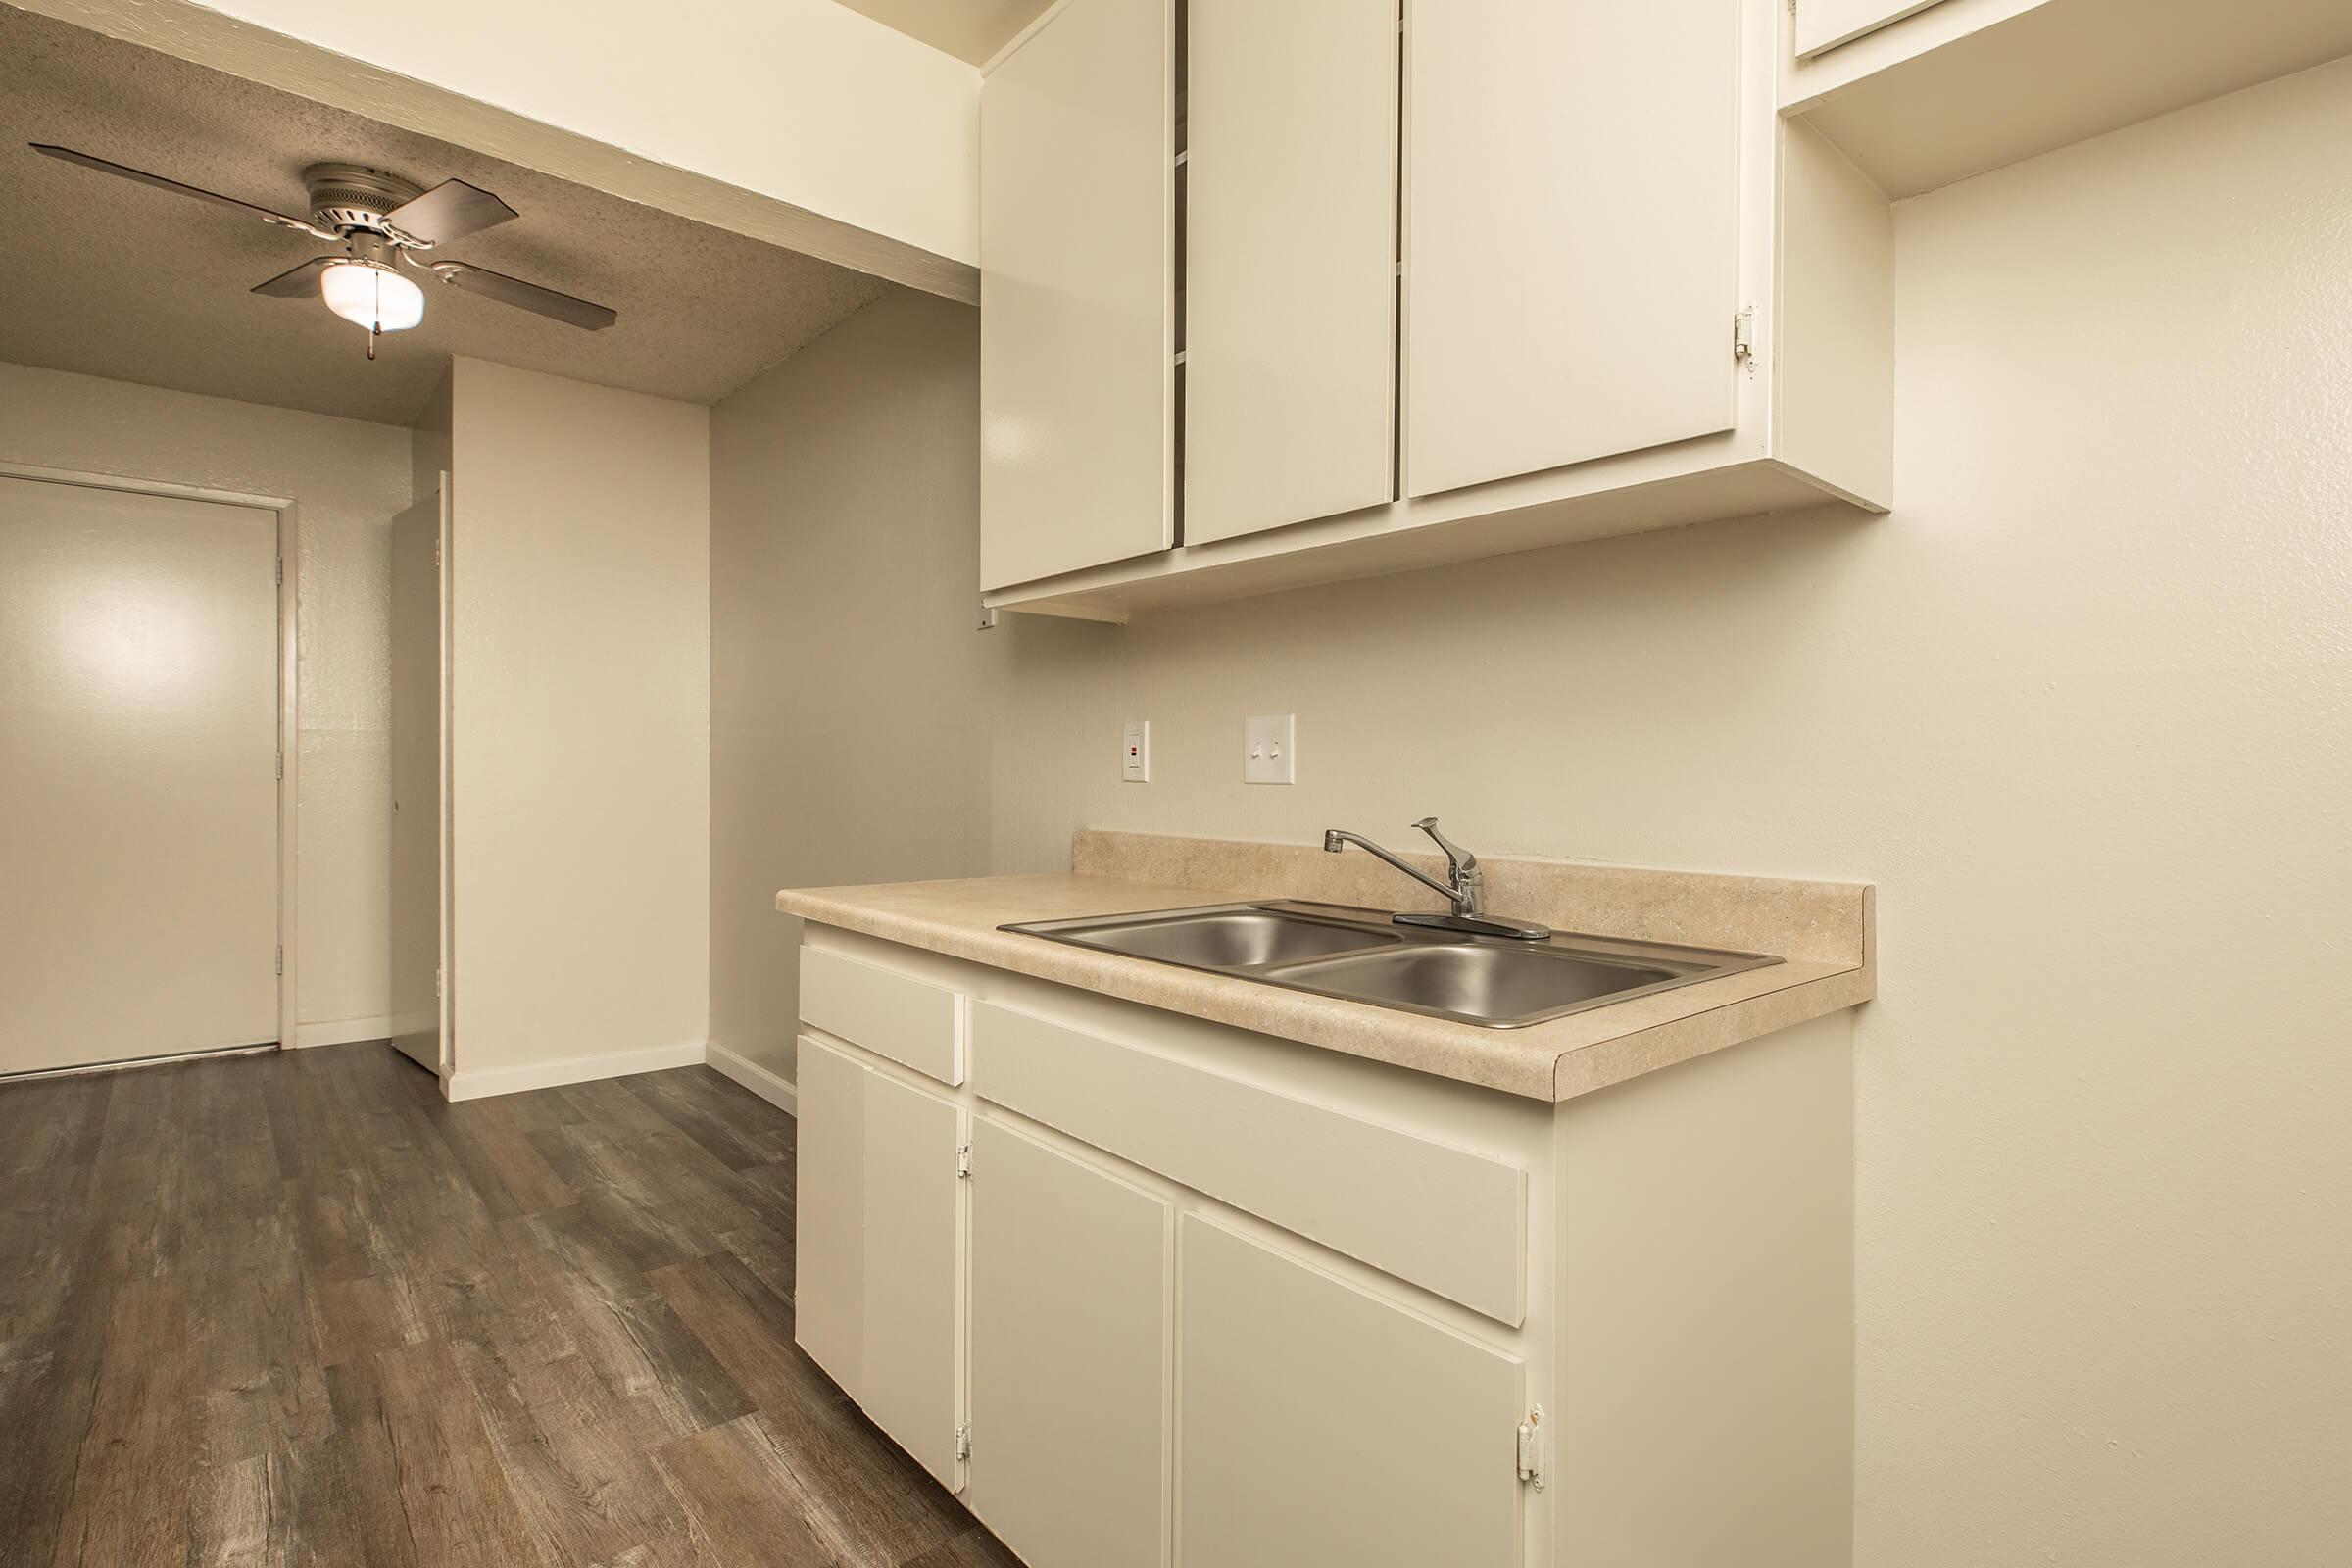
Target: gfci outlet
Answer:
pixel 1135 752
pixel 1270 749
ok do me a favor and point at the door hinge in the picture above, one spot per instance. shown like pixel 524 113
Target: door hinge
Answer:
pixel 281 765
pixel 1531 1447
pixel 278 573
pixel 963 1161
pixel 281 958
pixel 1743 335
pixel 436 985
pixel 963 1442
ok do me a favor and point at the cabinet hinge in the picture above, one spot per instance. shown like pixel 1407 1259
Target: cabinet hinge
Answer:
pixel 963 1160
pixel 1531 1447
pixel 963 1442
pixel 988 618
pixel 1743 335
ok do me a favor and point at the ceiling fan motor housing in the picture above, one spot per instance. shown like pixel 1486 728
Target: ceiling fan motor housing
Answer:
pixel 350 198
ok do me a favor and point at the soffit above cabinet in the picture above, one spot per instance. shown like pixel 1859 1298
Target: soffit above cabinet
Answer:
pixel 1957 87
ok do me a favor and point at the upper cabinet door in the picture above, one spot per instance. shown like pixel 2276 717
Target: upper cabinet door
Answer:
pixel 1571 265
pixel 1290 262
pixel 1826 23
pixel 1076 283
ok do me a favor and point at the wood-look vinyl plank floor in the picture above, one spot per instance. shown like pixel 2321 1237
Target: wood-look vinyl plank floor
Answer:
pixel 295 1311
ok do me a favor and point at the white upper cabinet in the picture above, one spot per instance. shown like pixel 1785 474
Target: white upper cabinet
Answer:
pixel 1076 340
pixel 1826 23
pixel 1290 369
pixel 1923 93
pixel 1572 241
pixel 1480 277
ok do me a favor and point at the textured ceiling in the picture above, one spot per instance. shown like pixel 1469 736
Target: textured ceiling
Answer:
pixel 107 277
pixel 972 30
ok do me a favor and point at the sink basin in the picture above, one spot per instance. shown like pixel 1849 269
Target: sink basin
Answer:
pixel 1480 983
pixel 1225 939
pixel 1362 956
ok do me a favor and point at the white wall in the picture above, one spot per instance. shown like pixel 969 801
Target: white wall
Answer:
pixel 844 498
pixel 350 478
pixel 580 743
pixel 2080 708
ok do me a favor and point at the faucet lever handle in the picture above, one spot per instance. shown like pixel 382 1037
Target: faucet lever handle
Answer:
pixel 1459 861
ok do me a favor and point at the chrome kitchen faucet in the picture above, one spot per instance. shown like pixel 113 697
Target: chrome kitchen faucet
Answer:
pixel 1465 887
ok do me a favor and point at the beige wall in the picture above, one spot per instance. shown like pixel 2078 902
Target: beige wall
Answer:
pixel 581 727
pixel 350 478
pixel 851 689
pixel 2080 708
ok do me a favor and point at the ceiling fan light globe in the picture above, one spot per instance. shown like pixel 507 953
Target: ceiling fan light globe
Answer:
pixel 370 296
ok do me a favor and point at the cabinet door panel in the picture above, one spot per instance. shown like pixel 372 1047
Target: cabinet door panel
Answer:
pixel 911 1376
pixel 829 1178
pixel 1826 23
pixel 1068 1358
pixel 1320 1424
pixel 1290 270
pixel 1571 231
pixel 1076 276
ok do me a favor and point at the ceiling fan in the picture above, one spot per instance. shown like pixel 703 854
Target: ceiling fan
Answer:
pixel 386 225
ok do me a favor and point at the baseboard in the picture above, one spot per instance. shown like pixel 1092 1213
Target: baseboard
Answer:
pixel 778 1090
pixel 484 1082
pixel 341 1032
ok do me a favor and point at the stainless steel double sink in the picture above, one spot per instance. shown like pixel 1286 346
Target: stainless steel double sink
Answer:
pixel 1362 956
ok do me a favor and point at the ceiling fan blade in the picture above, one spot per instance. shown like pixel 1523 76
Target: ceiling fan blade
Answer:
pixel 451 210
pixel 530 296
pixel 69 155
pixel 298 282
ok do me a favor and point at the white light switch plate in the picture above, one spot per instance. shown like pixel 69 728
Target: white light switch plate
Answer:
pixel 1135 752
pixel 1270 749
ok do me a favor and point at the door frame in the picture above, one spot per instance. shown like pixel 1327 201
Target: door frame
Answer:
pixel 289 674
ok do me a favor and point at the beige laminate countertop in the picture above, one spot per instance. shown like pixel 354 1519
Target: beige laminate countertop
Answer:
pixel 1548 1062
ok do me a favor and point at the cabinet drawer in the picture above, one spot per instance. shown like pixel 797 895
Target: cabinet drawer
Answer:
pixel 1448 1220
pixel 912 1022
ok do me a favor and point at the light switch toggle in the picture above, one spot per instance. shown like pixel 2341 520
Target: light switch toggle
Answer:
pixel 1270 749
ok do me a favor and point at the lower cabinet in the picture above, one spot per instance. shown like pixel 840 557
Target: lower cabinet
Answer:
pixel 1068 1362
pixel 1321 1424
pixel 879 1250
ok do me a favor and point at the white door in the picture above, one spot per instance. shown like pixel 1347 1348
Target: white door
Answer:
pixel 1321 1424
pixel 1069 1353
pixel 1572 245
pixel 419 770
pixel 139 776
